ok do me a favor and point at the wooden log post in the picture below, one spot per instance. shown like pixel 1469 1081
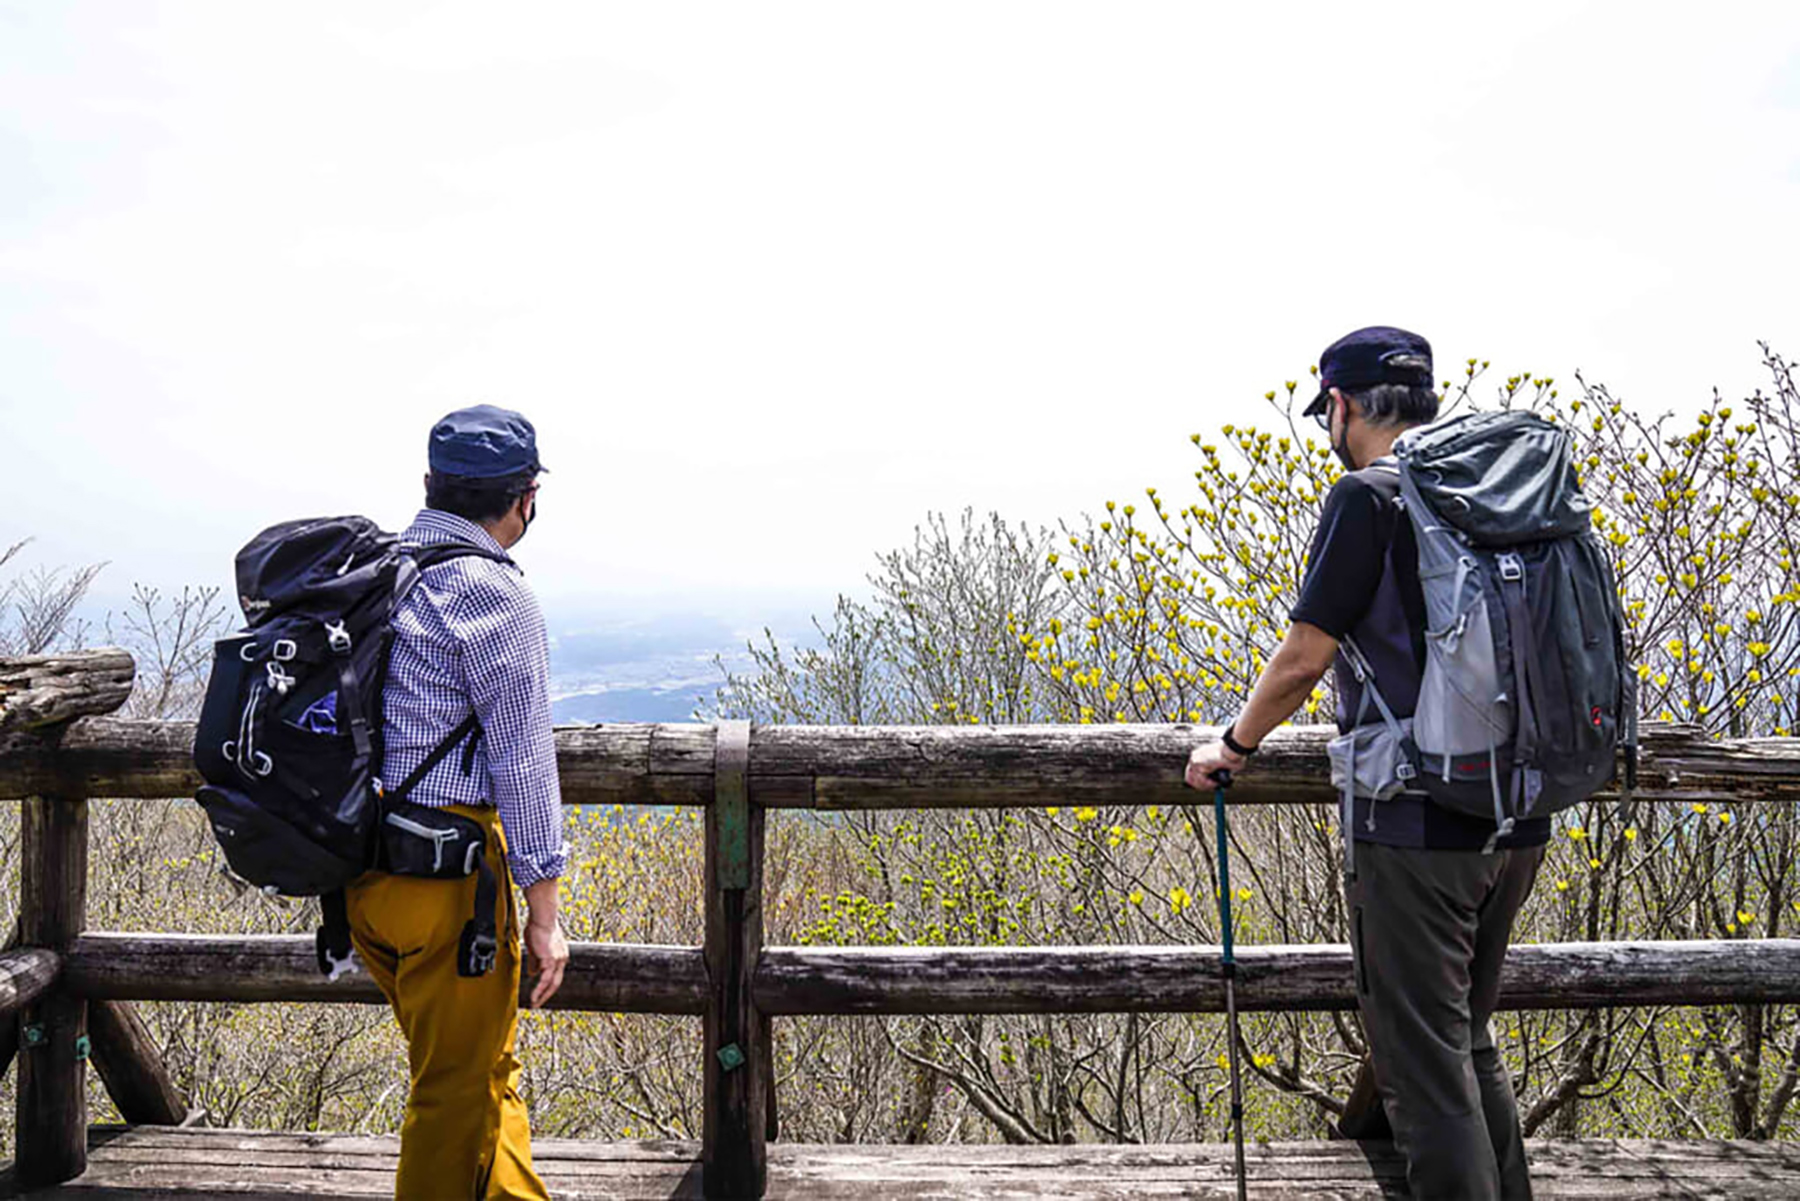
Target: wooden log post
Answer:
pixel 734 1152
pixel 53 1045
pixel 40 696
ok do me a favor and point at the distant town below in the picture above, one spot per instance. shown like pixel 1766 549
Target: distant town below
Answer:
pixel 612 667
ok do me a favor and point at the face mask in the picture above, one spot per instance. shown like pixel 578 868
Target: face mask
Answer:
pixel 1340 445
pixel 527 514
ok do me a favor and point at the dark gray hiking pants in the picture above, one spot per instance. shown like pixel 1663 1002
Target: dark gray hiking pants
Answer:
pixel 1430 930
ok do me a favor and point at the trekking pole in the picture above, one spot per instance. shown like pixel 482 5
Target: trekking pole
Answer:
pixel 1228 970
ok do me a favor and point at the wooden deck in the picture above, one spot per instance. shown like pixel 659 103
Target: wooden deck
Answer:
pixel 144 1163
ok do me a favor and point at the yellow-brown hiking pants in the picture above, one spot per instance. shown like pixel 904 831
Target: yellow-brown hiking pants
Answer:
pixel 466 1133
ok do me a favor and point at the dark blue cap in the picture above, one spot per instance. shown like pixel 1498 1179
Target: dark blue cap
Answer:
pixel 484 443
pixel 1378 354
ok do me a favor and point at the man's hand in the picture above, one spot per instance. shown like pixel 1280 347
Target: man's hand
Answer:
pixel 1208 758
pixel 546 957
pixel 546 950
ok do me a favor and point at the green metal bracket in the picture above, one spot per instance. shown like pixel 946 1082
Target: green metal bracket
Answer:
pixel 731 808
pixel 33 1035
pixel 82 1047
pixel 731 1056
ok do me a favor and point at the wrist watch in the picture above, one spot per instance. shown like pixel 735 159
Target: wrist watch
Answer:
pixel 1233 745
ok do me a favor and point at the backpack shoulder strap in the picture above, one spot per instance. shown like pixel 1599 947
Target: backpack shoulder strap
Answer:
pixel 430 554
pixel 418 558
pixel 468 728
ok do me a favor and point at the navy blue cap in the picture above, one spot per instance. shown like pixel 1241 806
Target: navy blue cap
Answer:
pixel 484 443
pixel 1377 354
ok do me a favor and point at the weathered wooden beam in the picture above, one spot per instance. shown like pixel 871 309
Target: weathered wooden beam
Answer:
pixel 52 1095
pixel 37 691
pixel 901 980
pixel 881 767
pixel 890 767
pixel 103 757
pixel 26 973
pixel 131 1066
pixel 626 764
pixel 803 980
pixel 606 977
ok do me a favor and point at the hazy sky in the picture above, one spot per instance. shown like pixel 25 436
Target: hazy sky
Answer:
pixel 776 280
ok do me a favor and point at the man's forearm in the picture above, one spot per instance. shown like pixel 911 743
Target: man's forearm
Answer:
pixel 540 902
pixel 1278 693
pixel 1295 670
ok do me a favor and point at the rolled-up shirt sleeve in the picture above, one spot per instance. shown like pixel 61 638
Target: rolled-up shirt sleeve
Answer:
pixel 506 658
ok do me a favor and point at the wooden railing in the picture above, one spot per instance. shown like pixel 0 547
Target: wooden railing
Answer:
pixel 70 988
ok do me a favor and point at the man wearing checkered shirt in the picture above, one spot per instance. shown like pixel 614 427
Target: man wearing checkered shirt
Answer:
pixel 469 639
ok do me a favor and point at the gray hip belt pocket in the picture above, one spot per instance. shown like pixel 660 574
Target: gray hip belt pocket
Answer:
pixel 1371 760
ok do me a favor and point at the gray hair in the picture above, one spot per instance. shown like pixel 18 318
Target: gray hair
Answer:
pixel 1400 404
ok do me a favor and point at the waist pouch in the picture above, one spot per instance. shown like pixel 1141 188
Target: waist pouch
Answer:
pixel 417 840
pixel 1372 760
pixel 435 844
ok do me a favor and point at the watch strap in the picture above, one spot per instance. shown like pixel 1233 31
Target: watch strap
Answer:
pixel 1233 745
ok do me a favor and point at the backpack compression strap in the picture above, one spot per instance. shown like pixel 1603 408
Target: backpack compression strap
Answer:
pixel 1526 778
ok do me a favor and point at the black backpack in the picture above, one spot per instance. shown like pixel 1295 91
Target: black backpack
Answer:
pixel 290 739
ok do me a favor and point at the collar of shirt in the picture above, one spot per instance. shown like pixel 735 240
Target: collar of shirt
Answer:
pixel 435 525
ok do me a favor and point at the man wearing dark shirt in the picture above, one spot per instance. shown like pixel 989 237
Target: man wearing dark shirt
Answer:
pixel 1430 913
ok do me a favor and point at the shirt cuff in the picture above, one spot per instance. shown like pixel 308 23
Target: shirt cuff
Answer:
pixel 528 869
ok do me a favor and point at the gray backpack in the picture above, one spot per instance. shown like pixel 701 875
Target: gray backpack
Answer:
pixel 1525 698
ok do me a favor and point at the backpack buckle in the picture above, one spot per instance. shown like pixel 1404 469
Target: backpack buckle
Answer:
pixel 1512 568
pixel 338 637
pixel 284 649
pixel 334 960
pixel 279 680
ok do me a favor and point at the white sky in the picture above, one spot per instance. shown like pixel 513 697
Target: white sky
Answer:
pixel 775 280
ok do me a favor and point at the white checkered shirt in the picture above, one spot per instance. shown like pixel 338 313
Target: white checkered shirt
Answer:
pixel 470 637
